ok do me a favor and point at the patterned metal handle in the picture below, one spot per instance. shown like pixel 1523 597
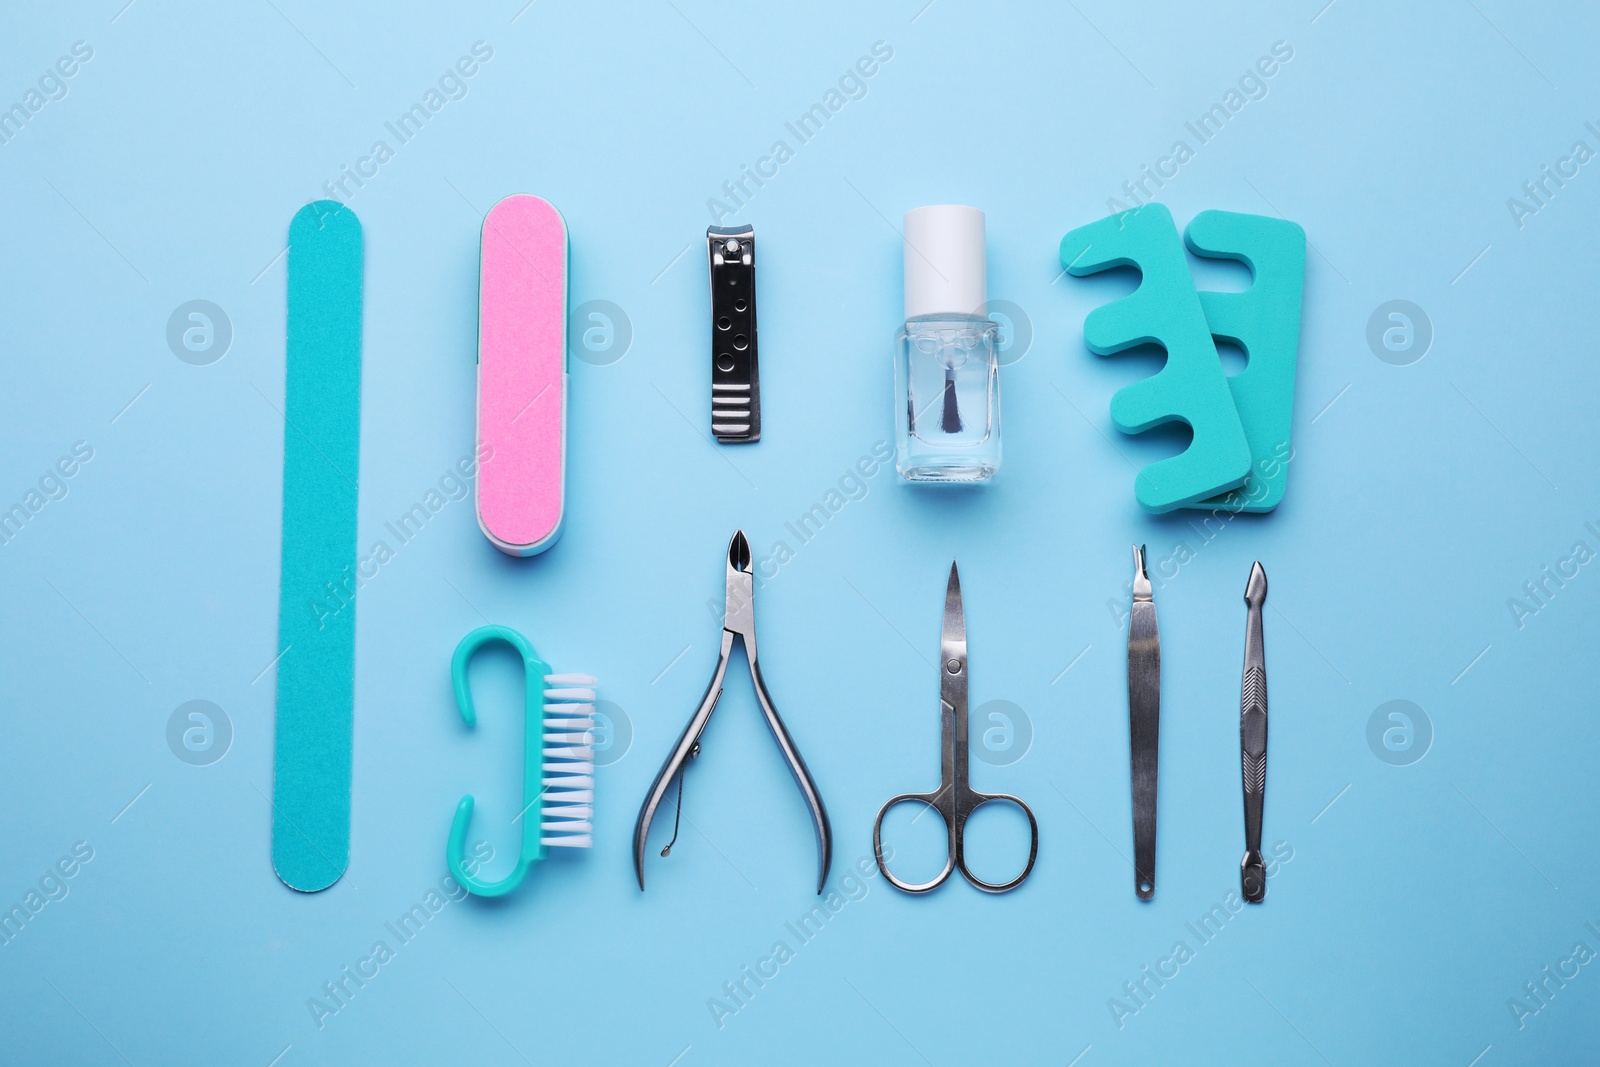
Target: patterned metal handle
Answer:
pixel 1253 740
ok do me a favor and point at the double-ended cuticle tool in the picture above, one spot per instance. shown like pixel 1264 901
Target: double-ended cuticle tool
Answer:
pixel 1253 739
pixel 955 800
pixel 1144 723
pixel 739 621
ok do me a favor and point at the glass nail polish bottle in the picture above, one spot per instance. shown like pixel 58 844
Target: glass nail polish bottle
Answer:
pixel 947 369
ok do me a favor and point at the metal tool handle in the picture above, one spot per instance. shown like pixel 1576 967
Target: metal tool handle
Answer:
pixel 937 803
pixel 964 809
pixel 1144 733
pixel 797 765
pixel 1253 762
pixel 954 811
pixel 681 752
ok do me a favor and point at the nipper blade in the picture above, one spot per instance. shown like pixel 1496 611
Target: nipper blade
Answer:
pixel 739 610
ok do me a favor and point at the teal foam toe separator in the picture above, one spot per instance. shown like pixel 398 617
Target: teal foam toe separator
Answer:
pixel 316 611
pixel 1264 321
pixel 1191 387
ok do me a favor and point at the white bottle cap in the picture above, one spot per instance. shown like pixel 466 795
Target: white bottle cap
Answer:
pixel 945 261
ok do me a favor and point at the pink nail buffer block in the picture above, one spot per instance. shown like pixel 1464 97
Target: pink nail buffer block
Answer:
pixel 522 375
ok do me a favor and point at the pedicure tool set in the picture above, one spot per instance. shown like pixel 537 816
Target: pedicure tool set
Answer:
pixel 947 419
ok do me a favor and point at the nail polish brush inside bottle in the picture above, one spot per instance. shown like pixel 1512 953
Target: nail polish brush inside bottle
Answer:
pixel 947 370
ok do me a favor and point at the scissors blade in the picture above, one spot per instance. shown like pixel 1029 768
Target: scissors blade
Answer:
pixel 953 701
pixel 953 646
pixel 1144 723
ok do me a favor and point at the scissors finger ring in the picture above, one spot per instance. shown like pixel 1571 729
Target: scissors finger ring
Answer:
pixel 930 800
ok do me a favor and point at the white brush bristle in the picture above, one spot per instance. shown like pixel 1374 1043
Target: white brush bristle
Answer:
pixel 567 813
pixel 585 738
pixel 568 841
pixel 556 770
pixel 570 811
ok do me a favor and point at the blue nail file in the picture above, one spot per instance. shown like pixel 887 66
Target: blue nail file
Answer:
pixel 316 611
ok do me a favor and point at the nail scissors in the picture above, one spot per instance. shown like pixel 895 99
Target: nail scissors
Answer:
pixel 739 621
pixel 954 800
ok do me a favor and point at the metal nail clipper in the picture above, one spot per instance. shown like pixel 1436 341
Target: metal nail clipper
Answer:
pixel 1144 723
pixel 739 621
pixel 954 800
pixel 735 370
pixel 1253 739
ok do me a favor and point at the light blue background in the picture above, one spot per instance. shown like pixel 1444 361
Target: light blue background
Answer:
pixel 1423 498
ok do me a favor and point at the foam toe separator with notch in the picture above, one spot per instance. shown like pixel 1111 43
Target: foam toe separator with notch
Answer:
pixel 1191 388
pixel 1263 320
